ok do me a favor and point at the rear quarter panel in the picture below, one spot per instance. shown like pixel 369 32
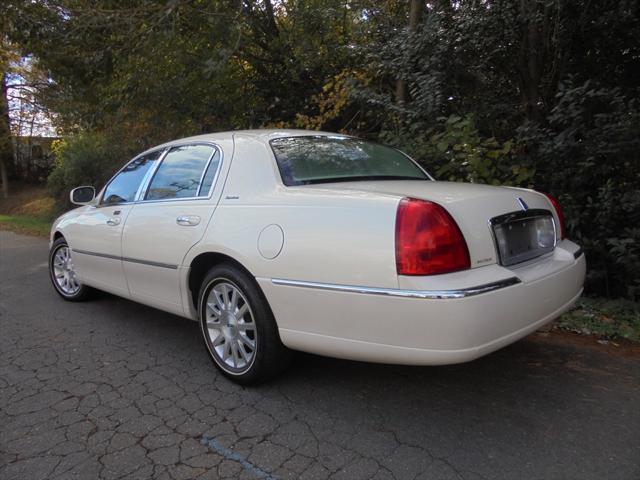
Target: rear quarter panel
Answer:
pixel 335 237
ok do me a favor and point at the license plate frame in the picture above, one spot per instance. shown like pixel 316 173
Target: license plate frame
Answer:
pixel 524 235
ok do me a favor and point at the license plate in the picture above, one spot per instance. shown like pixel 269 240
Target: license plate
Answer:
pixel 521 236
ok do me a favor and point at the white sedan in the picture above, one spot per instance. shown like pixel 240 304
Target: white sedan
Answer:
pixel 280 240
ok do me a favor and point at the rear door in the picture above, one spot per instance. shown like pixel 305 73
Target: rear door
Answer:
pixel 169 219
pixel 96 234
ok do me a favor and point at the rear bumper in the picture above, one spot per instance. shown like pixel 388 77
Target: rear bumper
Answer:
pixel 377 327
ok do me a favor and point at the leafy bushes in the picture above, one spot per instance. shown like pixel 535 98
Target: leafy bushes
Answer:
pixel 455 150
pixel 86 159
pixel 589 158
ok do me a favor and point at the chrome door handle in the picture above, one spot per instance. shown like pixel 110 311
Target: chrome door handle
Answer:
pixel 113 221
pixel 188 220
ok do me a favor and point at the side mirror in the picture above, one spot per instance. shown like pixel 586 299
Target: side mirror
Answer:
pixel 82 195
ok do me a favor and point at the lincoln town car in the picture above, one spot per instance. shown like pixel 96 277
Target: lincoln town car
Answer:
pixel 284 240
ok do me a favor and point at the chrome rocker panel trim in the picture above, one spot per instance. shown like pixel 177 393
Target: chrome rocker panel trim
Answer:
pixel 395 292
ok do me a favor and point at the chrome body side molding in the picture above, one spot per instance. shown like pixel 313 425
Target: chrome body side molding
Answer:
pixel 126 259
pixel 396 292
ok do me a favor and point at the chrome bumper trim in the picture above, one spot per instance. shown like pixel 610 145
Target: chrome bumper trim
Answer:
pixel 396 292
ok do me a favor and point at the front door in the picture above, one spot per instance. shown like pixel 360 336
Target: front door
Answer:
pixel 170 218
pixel 95 237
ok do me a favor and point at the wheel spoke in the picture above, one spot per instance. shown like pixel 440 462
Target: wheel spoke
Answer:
pixel 218 299
pixel 218 340
pixel 225 296
pixel 243 327
pixel 242 311
pixel 242 351
pixel 233 303
pixel 215 325
pixel 213 309
pixel 247 341
pixel 234 351
pixel 226 350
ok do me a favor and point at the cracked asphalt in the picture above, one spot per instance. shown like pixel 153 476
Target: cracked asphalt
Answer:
pixel 110 389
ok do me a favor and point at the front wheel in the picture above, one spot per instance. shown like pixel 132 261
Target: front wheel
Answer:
pixel 238 327
pixel 63 275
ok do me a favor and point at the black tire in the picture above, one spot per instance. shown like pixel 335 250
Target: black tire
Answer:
pixel 269 357
pixel 82 293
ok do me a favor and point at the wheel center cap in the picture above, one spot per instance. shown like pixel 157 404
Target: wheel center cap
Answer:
pixel 229 322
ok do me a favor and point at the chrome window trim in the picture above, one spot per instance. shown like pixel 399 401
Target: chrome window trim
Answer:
pixel 216 148
pixel 146 181
pixel 204 172
pixel 99 203
pixel 147 178
pixel 396 292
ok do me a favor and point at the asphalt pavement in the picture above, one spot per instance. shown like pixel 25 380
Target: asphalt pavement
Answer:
pixel 112 389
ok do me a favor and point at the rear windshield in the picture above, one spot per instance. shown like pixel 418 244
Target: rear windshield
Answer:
pixel 326 159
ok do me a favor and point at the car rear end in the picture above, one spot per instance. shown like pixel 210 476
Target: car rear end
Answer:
pixel 476 268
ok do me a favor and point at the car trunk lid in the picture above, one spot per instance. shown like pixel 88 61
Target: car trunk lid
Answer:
pixel 471 205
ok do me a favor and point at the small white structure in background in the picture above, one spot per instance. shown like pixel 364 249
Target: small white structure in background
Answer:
pixel 285 239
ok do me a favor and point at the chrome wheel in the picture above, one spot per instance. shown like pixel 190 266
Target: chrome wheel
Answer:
pixel 64 274
pixel 230 327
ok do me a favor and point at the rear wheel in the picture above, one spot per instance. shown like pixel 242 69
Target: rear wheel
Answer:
pixel 238 327
pixel 63 274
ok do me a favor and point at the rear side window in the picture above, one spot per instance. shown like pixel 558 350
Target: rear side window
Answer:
pixel 183 173
pixel 325 159
pixel 125 185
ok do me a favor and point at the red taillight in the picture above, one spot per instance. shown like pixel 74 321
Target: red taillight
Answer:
pixel 428 240
pixel 556 206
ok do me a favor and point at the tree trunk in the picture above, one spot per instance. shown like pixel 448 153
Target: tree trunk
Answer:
pixel 6 146
pixel 415 12
pixel 532 56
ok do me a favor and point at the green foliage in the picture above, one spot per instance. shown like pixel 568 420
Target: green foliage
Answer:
pixel 455 150
pixel 607 318
pixel 85 159
pixel 589 158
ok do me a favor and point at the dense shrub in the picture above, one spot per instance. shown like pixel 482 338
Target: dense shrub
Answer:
pixel 455 150
pixel 589 158
pixel 86 159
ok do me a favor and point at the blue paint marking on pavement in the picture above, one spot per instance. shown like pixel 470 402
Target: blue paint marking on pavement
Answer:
pixel 235 456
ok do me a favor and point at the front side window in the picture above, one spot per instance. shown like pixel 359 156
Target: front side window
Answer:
pixel 182 173
pixel 324 159
pixel 124 186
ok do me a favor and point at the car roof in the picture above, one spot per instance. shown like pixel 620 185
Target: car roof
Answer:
pixel 263 135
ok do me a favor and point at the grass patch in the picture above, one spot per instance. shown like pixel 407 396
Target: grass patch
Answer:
pixel 25 224
pixel 603 317
pixel 29 209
